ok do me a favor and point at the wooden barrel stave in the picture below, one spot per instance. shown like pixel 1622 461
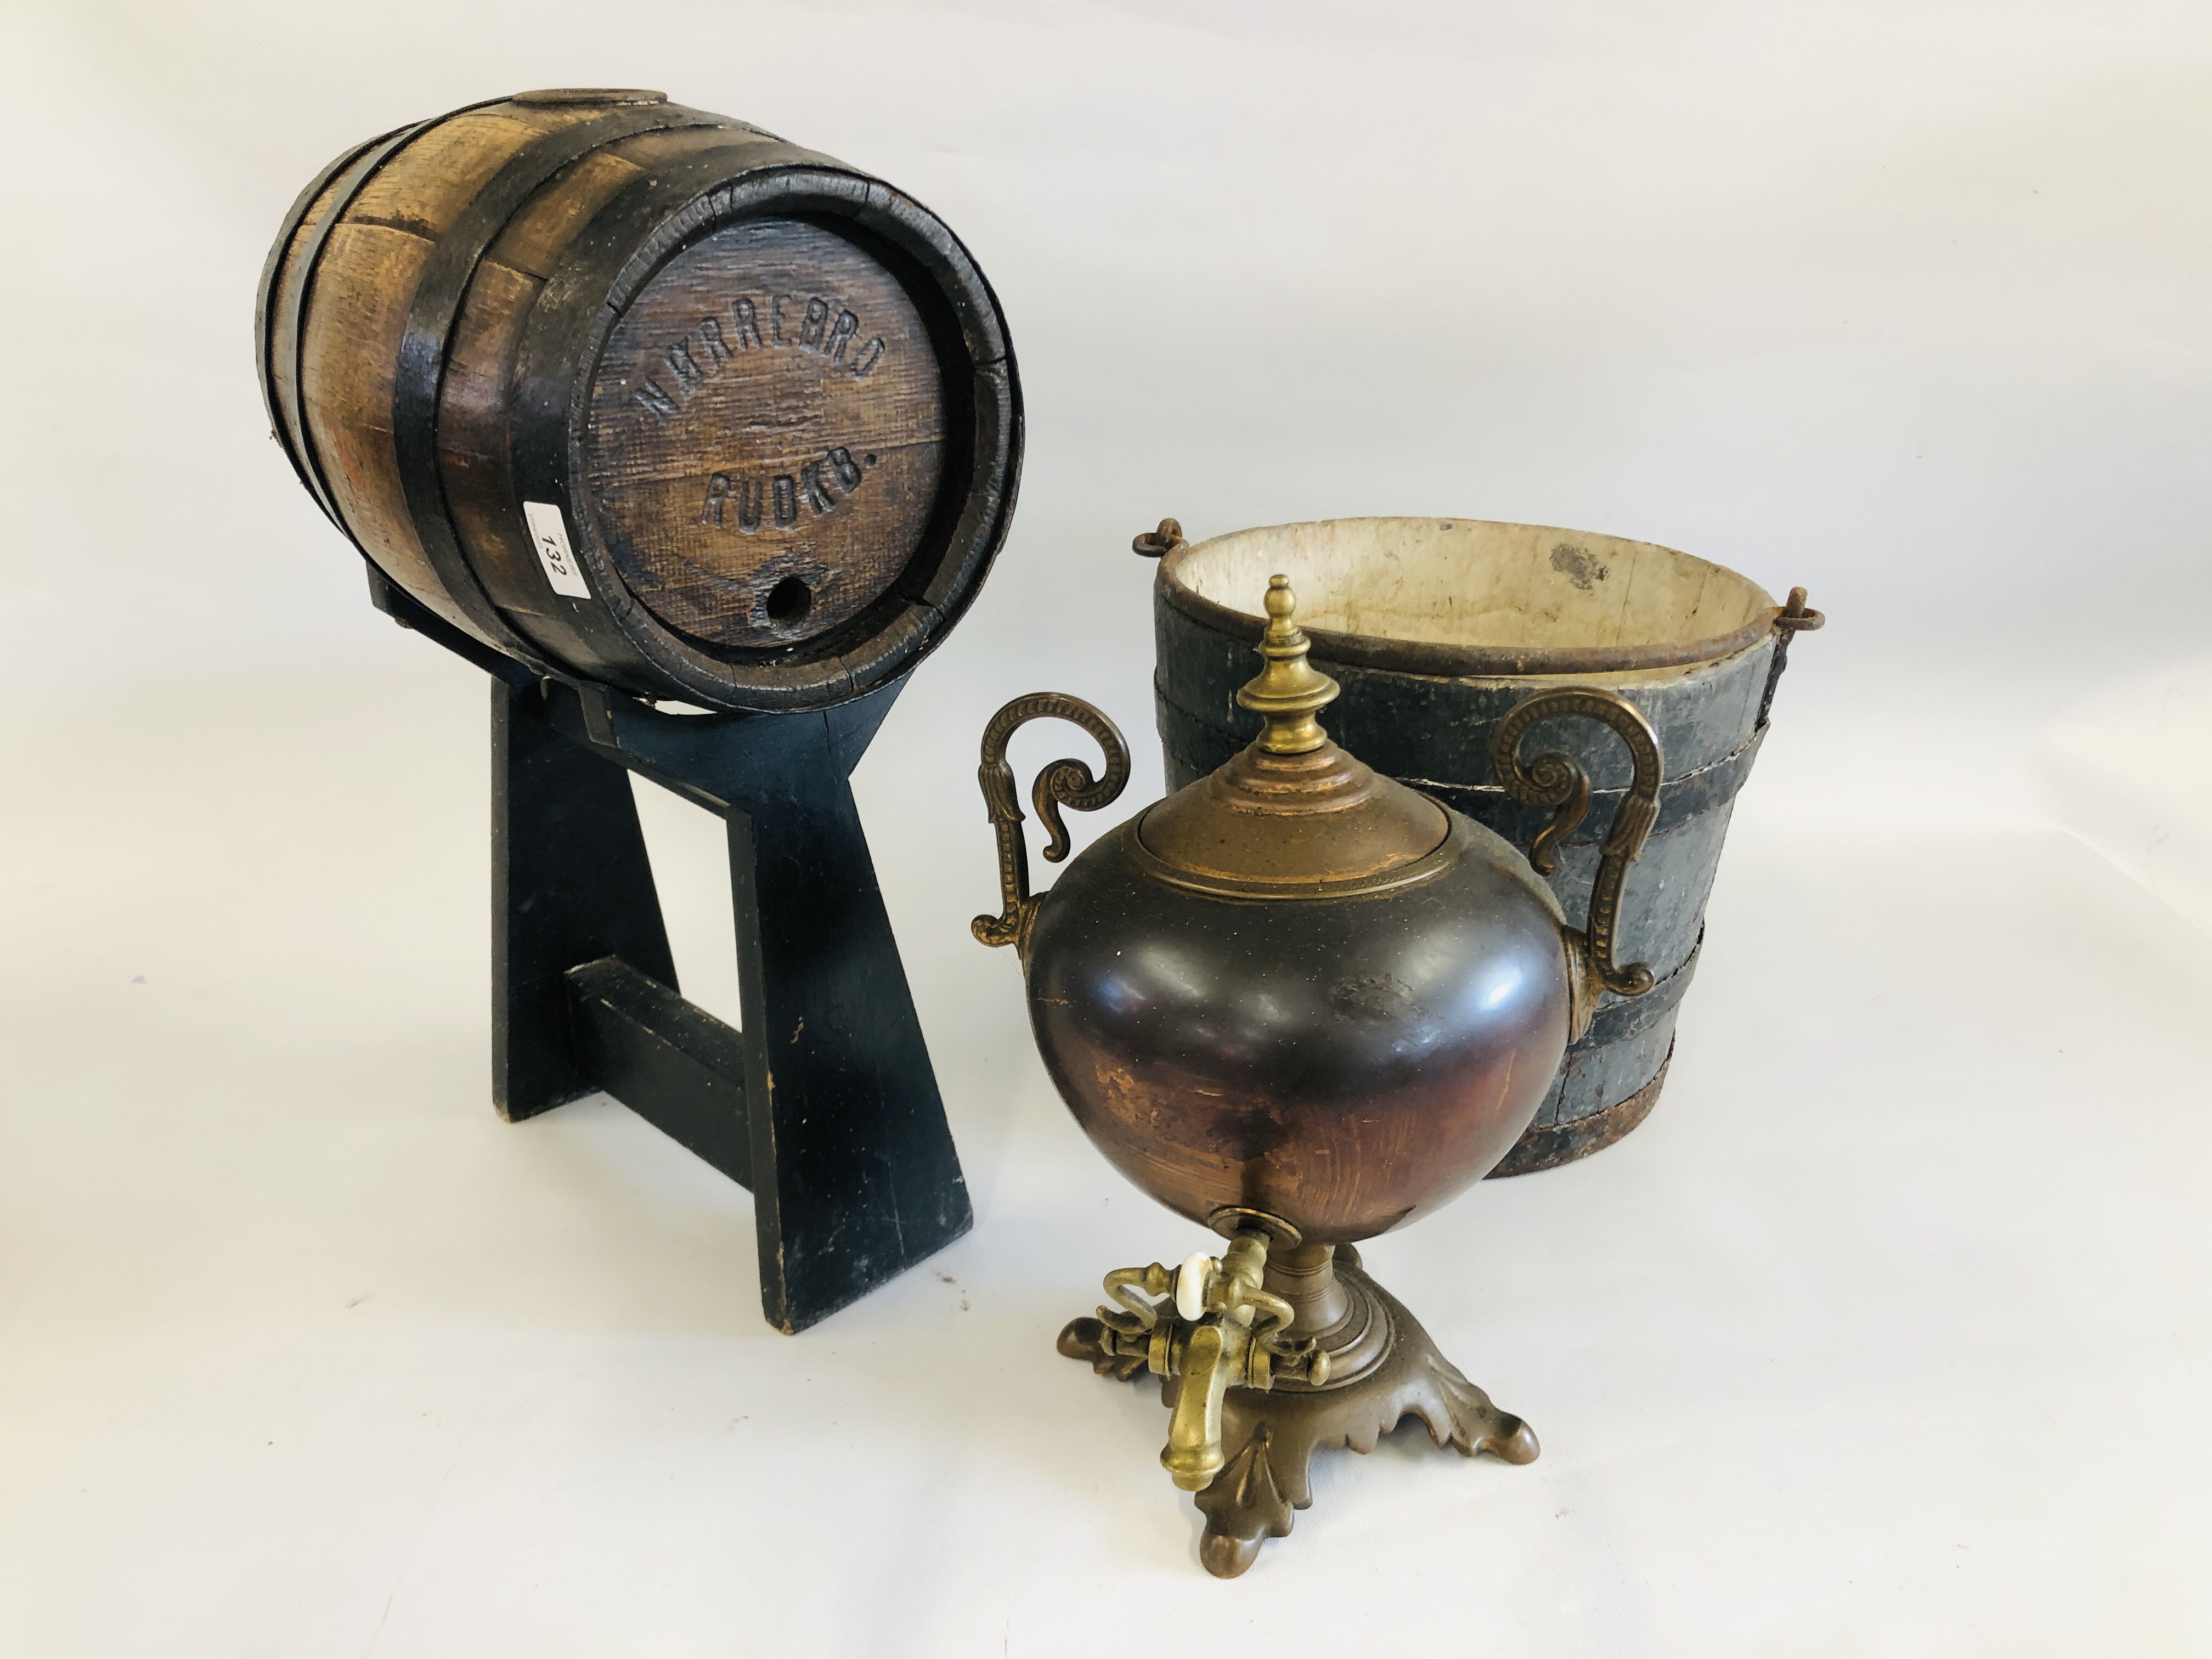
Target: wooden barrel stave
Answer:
pixel 418 380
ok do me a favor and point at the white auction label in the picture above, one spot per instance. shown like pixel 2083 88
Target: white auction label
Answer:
pixel 551 533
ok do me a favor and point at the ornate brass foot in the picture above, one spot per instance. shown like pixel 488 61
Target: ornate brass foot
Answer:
pixel 1271 1437
pixel 1370 1363
pixel 1086 1339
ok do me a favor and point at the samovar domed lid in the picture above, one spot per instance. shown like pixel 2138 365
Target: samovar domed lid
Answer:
pixel 1293 809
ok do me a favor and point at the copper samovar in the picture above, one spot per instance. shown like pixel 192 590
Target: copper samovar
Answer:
pixel 1302 1004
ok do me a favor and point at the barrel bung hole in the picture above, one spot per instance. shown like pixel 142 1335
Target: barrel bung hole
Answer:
pixel 788 602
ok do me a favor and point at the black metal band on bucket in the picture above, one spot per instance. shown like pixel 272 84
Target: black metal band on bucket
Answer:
pixel 1681 798
pixel 1563 1143
pixel 1628 1017
pixel 1200 747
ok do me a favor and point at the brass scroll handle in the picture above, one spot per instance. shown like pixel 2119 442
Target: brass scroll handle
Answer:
pixel 1556 781
pixel 1065 782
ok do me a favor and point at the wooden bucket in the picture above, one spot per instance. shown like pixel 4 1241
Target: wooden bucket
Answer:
pixel 643 396
pixel 1435 628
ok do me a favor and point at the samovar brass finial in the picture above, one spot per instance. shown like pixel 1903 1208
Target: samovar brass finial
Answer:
pixel 1289 691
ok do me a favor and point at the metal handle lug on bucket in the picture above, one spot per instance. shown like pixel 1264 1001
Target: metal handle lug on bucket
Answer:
pixel 1158 543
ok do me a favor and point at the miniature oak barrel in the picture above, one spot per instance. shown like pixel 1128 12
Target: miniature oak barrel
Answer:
pixel 1437 628
pixel 644 396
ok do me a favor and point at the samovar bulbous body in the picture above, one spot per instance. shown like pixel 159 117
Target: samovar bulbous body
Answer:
pixel 1346 1064
pixel 1302 1004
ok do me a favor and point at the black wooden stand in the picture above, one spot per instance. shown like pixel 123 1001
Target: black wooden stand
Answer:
pixel 823 1104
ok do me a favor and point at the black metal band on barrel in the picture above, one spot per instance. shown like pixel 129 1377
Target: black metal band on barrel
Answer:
pixel 609 264
pixel 288 343
pixel 988 451
pixel 264 319
pixel 289 333
pixel 430 318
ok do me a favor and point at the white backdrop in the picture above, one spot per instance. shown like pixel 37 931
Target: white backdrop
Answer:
pixel 1887 1334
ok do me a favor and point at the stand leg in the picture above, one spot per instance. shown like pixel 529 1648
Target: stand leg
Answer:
pixel 824 1103
pixel 569 885
pixel 854 1174
pixel 845 1146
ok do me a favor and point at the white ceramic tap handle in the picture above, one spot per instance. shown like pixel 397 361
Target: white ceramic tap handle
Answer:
pixel 1190 1284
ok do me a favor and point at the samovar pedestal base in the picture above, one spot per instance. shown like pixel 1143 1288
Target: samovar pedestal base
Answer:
pixel 1383 1367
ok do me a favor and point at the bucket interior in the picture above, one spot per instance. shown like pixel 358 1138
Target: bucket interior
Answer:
pixel 1474 583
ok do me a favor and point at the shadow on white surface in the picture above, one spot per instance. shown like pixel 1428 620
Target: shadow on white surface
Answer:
pixel 1885 1335
pixel 1885 1322
pixel 2130 771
